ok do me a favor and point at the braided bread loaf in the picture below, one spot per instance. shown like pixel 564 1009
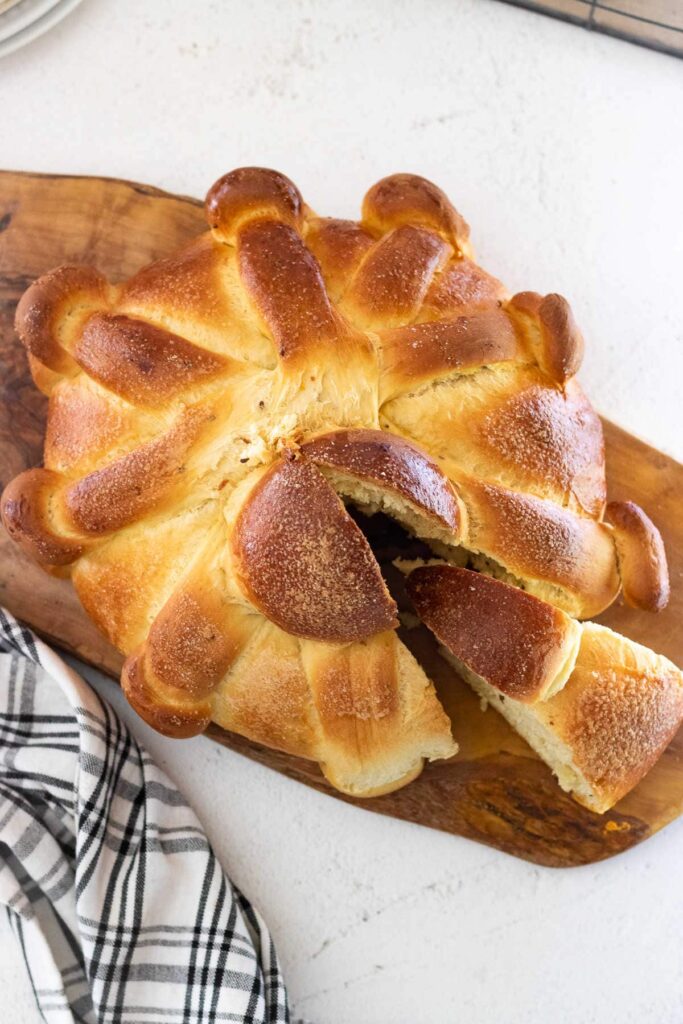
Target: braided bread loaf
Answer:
pixel 206 416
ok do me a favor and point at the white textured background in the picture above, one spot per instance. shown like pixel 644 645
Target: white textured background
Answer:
pixel 563 150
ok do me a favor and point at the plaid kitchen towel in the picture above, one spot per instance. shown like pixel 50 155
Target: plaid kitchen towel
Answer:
pixel 123 914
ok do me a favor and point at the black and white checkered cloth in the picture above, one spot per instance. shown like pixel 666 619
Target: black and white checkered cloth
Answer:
pixel 122 911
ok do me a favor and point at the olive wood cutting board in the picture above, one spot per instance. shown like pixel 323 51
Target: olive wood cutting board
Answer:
pixel 496 790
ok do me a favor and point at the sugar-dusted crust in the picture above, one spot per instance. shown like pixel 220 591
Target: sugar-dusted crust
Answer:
pixel 418 354
pixel 552 438
pixel 378 714
pixel 461 286
pixel 520 645
pixel 83 422
pixel 619 711
pixel 285 285
pixel 303 562
pixel 559 556
pixel 365 711
pixel 142 363
pixel 197 294
pixel 392 282
pixel 190 647
pixel 128 488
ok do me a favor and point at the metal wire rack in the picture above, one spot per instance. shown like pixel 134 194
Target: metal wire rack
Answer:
pixel 654 23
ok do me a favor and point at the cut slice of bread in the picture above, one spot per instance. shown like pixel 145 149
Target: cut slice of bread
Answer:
pixel 600 720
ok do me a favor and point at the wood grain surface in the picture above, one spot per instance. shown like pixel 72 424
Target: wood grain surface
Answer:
pixel 496 790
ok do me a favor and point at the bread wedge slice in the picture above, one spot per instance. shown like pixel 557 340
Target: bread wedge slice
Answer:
pixel 598 708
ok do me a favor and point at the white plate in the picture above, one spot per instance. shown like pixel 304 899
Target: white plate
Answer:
pixel 20 16
pixel 6 4
pixel 53 12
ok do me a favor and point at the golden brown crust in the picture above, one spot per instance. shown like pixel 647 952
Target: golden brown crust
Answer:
pixel 304 563
pixel 552 333
pixel 194 640
pixel 619 711
pixel 378 717
pixel 286 286
pixel 143 363
pixel 460 286
pixel 409 199
pixel 131 486
pixel 514 641
pixel 60 299
pixel 197 294
pixel 642 559
pixel 358 682
pixel 339 247
pixel 551 436
pixel 365 711
pixel 124 583
pixel 81 424
pixel 417 354
pixel 188 280
pixel 504 427
pixel 564 341
pixel 279 710
pixel 526 303
pixel 391 463
pixel 45 380
pixel 177 718
pixel 251 193
pixel 25 509
pixel 390 286
pixel 560 557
